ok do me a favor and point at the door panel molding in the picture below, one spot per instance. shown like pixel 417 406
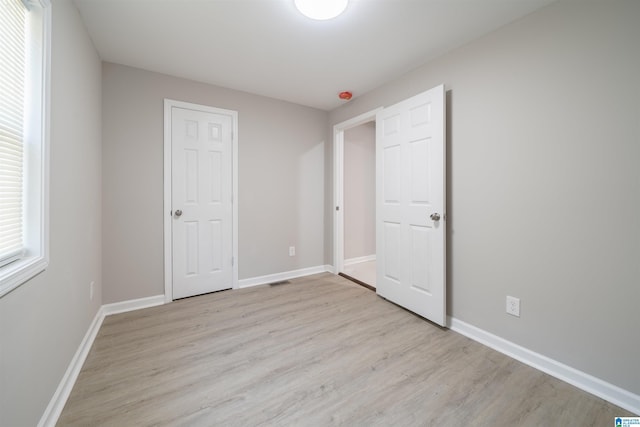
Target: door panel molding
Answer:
pixel 168 222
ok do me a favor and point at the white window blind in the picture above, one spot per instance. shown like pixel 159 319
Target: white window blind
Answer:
pixel 12 106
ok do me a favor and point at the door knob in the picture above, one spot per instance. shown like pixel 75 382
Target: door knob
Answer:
pixel 435 216
pixel 178 212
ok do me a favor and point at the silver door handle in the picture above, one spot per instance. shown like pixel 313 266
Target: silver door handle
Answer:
pixel 178 212
pixel 435 216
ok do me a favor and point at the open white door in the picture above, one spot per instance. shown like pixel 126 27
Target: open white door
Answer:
pixel 410 204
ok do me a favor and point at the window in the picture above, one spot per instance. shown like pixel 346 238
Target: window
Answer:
pixel 24 115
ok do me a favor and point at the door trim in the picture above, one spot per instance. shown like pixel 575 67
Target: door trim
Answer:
pixel 338 183
pixel 168 236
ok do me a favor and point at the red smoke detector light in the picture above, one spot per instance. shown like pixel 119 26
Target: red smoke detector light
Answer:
pixel 345 95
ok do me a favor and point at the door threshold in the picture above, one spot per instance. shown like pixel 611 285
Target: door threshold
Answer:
pixel 359 282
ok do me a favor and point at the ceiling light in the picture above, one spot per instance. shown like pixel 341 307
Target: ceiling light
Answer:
pixel 321 9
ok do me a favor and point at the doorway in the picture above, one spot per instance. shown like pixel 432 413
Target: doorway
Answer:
pixel 410 203
pixel 355 186
pixel 360 203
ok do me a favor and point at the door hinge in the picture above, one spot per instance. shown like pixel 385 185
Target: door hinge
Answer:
pixel 233 261
pixel 337 208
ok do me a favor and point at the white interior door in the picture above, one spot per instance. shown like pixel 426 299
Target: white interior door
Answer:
pixel 201 201
pixel 410 204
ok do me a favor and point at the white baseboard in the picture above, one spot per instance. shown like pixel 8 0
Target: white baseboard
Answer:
pixel 134 304
pixel 56 404
pixel 609 392
pixel 277 277
pixel 59 399
pixel 366 258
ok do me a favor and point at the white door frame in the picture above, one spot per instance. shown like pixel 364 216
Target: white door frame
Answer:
pixel 168 223
pixel 338 183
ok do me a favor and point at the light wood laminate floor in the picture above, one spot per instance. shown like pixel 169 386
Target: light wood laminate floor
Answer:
pixel 319 351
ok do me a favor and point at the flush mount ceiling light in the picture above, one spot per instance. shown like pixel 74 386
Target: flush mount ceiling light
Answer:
pixel 321 9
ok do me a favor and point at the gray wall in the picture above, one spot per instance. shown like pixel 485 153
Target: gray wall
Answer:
pixel 44 320
pixel 544 181
pixel 281 179
pixel 360 191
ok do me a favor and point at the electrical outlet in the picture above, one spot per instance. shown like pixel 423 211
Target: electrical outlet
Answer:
pixel 513 306
pixel 91 286
pixel 292 251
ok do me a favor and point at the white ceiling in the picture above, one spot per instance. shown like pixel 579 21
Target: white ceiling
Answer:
pixel 266 47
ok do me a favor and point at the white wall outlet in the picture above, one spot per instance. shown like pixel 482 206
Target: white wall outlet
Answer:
pixel 91 286
pixel 292 251
pixel 513 306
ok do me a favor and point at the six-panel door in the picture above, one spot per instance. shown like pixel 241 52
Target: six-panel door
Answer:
pixel 410 204
pixel 201 202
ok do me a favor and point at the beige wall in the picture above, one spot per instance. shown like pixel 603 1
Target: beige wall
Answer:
pixel 544 182
pixel 44 320
pixel 360 191
pixel 281 179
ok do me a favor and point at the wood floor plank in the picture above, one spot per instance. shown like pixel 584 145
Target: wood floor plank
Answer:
pixel 318 351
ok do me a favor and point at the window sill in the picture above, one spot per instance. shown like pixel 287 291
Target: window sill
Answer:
pixel 18 272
